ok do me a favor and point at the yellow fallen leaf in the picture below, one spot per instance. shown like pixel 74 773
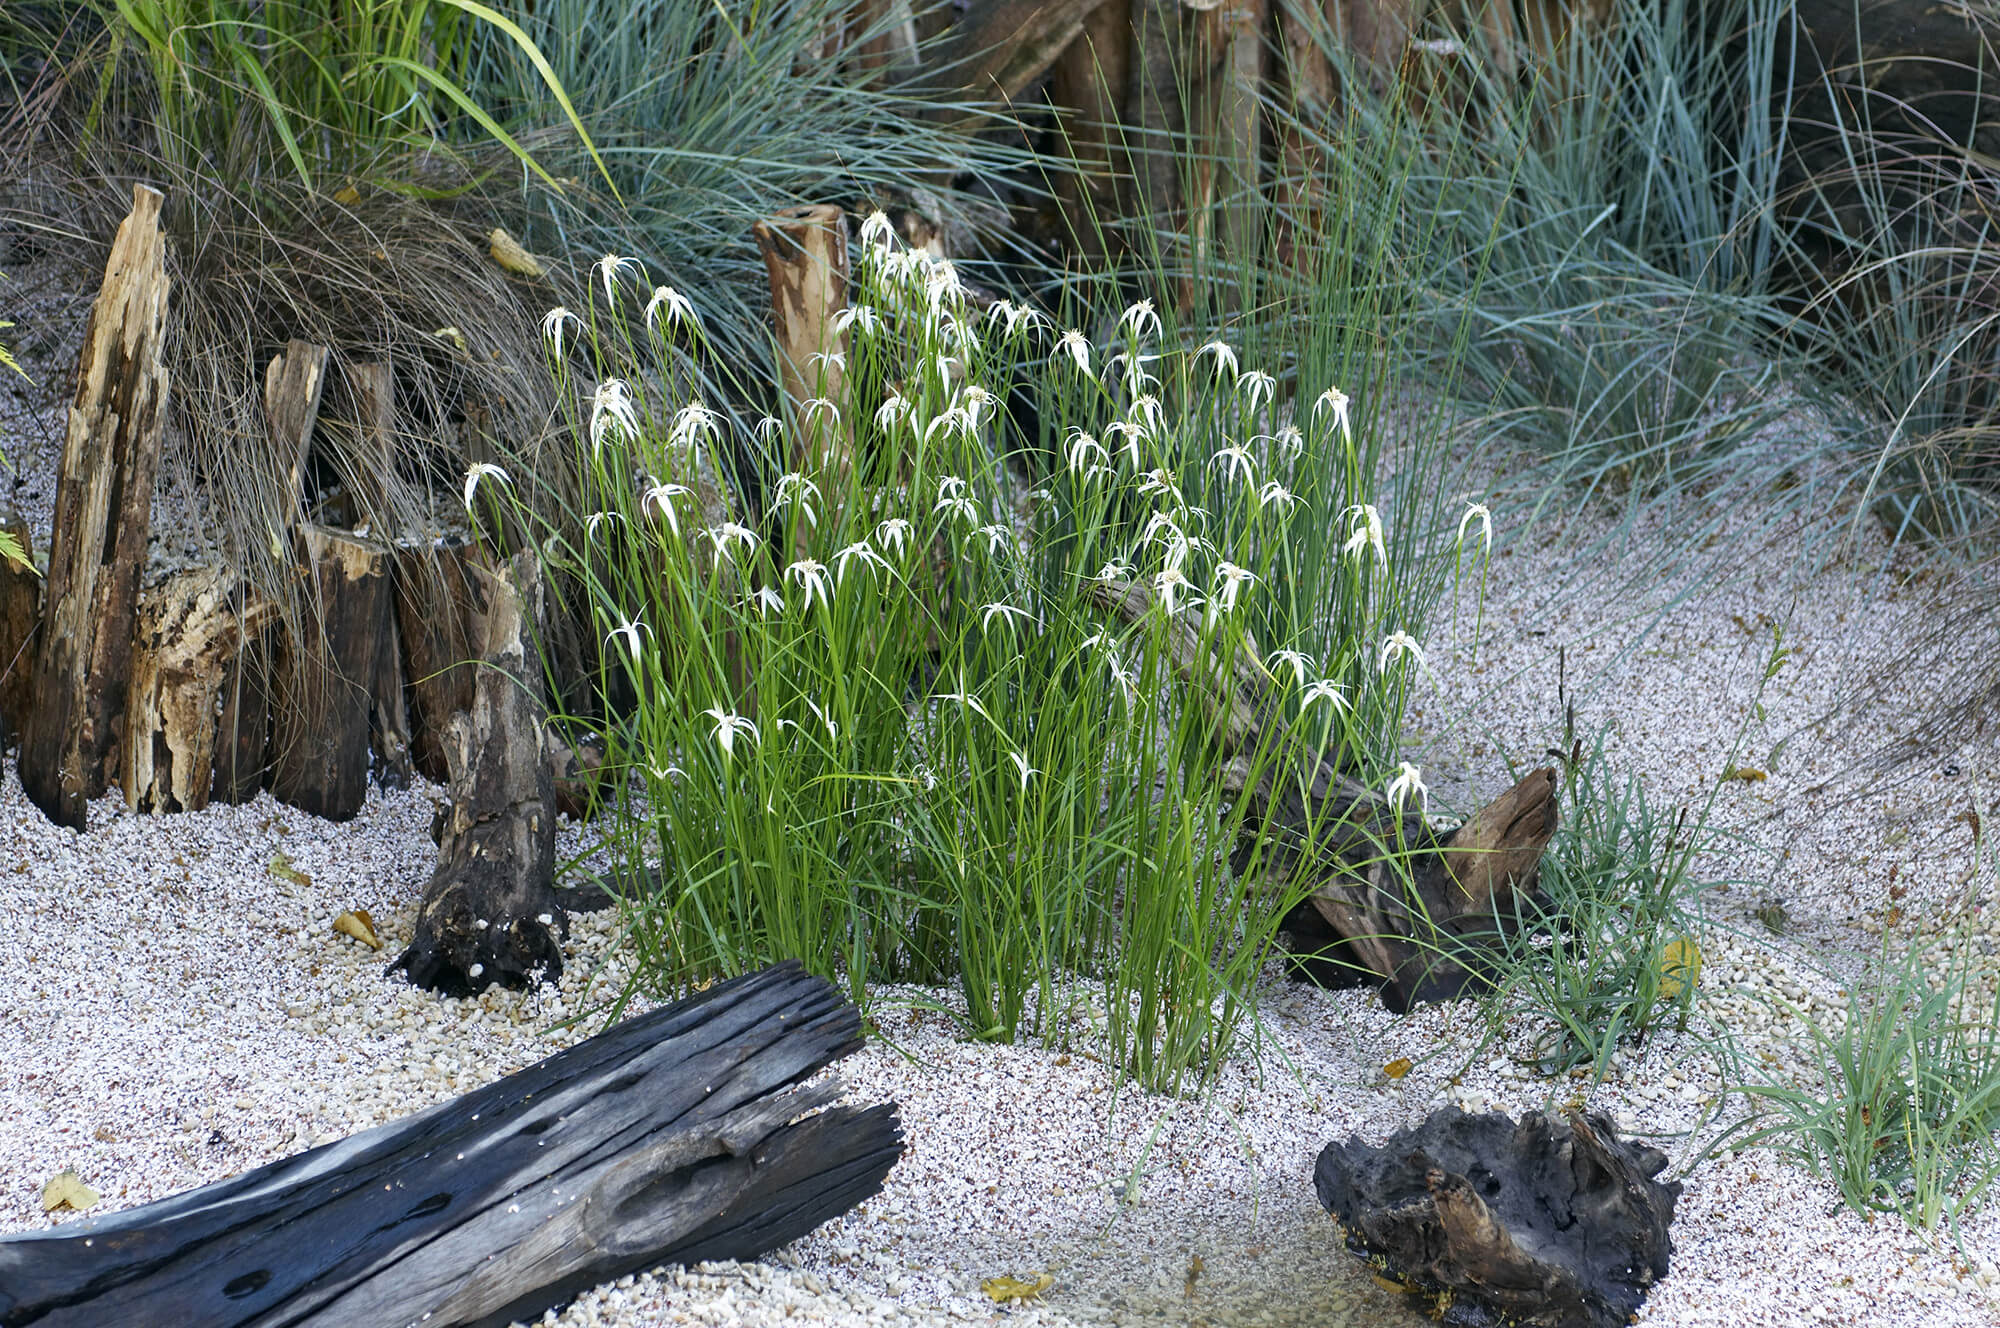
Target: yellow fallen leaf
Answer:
pixel 1397 1068
pixel 355 922
pixel 67 1190
pixel 509 254
pixel 454 336
pixel 1680 967
pixel 1745 774
pixel 282 868
pixel 347 195
pixel 1004 1289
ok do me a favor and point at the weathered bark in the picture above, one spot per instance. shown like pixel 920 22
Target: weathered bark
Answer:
pixel 438 604
pixel 191 626
pixel 243 727
pixel 1554 1223
pixel 329 674
pixel 1404 908
pixel 104 499
pixel 20 618
pixel 489 912
pixel 1087 87
pixel 1002 48
pixel 674 1137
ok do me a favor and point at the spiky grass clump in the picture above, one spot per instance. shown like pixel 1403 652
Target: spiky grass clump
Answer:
pixel 892 729
pixel 1905 1117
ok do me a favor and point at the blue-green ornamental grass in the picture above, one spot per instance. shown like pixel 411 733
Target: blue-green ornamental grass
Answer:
pixel 889 729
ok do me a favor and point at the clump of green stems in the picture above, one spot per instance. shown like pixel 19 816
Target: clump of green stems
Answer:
pixel 313 89
pixel 1609 952
pixel 1905 1116
pixel 892 730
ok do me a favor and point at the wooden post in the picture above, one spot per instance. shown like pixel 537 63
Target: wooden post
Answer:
pixel 104 501
pixel 20 617
pixel 372 385
pixel 1088 86
pixel 1302 27
pixel 243 727
pixel 489 911
pixel 190 628
pixel 440 595
pixel 805 258
pixel 328 675
pixel 1156 113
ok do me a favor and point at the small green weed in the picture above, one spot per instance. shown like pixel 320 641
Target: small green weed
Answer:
pixel 1610 951
pixel 1904 1119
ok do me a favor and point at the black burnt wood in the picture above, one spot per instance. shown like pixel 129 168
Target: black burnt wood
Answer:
pixel 675 1136
pixel 1551 1223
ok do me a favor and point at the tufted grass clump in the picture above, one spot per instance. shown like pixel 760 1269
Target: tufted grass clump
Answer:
pixel 888 725
pixel 1610 951
pixel 1905 1114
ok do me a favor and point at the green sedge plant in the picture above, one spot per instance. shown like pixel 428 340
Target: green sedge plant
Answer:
pixel 893 725
pixel 1897 1098
pixel 1609 950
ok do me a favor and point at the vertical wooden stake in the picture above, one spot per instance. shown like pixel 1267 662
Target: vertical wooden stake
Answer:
pixel 104 503
pixel 20 618
pixel 805 256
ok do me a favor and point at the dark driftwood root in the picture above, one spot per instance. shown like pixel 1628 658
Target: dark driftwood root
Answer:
pixel 1558 1224
pixel 1387 901
pixel 676 1136
pixel 490 911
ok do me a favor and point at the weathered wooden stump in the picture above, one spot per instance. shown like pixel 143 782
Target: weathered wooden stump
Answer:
pixel 438 607
pixel 192 627
pixel 20 619
pixel 673 1137
pixel 104 501
pixel 490 912
pixel 1559 1224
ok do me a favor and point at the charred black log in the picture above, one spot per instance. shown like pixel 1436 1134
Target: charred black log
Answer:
pixel 676 1136
pixel 1560 1224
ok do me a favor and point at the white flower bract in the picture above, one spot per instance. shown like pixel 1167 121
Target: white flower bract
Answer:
pixel 480 470
pixel 1408 780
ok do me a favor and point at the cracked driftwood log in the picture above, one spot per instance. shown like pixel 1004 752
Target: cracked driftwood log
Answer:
pixel 673 1137
pixel 490 912
pixel 1549 1222
pixel 1390 901
pixel 104 502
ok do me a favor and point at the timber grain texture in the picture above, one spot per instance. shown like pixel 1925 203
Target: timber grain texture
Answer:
pixel 676 1136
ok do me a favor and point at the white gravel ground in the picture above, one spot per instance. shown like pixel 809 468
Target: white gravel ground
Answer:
pixel 177 1013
